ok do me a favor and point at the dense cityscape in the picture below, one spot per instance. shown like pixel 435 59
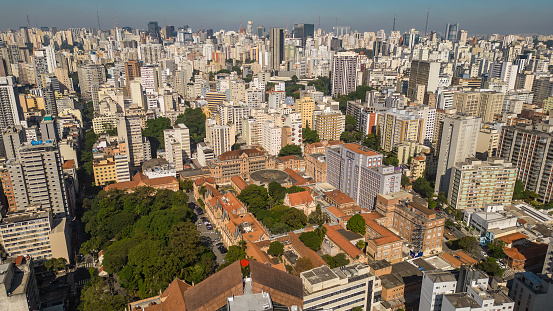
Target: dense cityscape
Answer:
pixel 266 168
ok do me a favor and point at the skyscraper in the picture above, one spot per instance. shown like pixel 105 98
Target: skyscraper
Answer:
pixel 304 31
pixel 153 31
pixel 425 74
pixel 452 32
pixel 10 109
pixel 132 70
pixel 277 47
pixel 344 73
pixel 138 147
pixel 90 78
pixel 37 178
pixel 457 143
pixel 177 145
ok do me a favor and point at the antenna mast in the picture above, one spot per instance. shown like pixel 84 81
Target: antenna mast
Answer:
pixel 426 28
pixel 28 22
pixel 98 17
pixel 394 26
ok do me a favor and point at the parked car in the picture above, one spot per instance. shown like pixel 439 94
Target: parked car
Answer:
pixel 209 227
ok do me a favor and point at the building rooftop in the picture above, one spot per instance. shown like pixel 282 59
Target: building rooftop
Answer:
pixel 380 264
pixel 461 300
pixel 24 215
pixel 390 281
pixel 361 149
pixel 319 275
pixel 268 176
pixel 339 197
pixel 441 276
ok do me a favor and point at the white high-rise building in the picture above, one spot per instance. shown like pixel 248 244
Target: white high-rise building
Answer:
pixel 344 73
pixel 138 147
pixel 177 145
pixel 458 141
pixel 271 136
pixel 219 137
pixel 10 110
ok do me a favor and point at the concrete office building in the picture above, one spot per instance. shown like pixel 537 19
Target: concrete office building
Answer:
pixel 548 263
pixel 452 32
pixel 344 73
pixel 37 178
pixel 474 183
pixel 219 137
pixel 277 47
pixel 12 138
pixel 457 142
pixel 10 110
pixel 132 71
pixel 305 107
pixel 350 168
pixel 177 145
pixel 341 289
pixel 488 218
pixel 34 232
pixel 529 148
pixel 425 74
pixel 397 126
pixel 532 292
pixel 91 76
pixel 204 153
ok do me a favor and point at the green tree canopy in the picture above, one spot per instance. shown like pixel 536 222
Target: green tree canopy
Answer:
pixel 310 136
pixel 311 240
pixel 276 249
pixel 357 224
pixel 423 187
pixel 255 197
pixel 154 133
pixel 290 150
pixel 351 123
pixel 468 243
pixel 490 266
pixel 294 218
pixel 194 119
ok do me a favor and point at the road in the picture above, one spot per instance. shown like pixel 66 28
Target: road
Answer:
pixel 208 236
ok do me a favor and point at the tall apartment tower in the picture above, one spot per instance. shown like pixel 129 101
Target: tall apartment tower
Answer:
pixel 219 137
pixel 130 131
pixel 91 76
pixel 277 47
pixel 329 124
pixel 530 149
pixel 344 73
pixel 356 171
pixel 271 137
pixel 132 71
pixel 425 74
pixel 37 178
pixel 532 292
pixel 177 145
pixel 458 141
pixel 10 110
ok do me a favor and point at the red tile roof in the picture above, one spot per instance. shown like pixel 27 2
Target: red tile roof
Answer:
pixel 339 197
pixel 239 182
pixel 235 154
pixel 343 243
pixel 510 238
pixel 69 164
pixel 299 198
pixel 360 149
pixel 305 251
pixel 295 176
pixel 200 181
pixel 335 211
pixel 140 180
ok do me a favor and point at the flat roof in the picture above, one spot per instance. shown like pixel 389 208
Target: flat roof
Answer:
pixel 379 264
pixel 361 149
pixel 441 276
pixel 319 275
pixel 350 235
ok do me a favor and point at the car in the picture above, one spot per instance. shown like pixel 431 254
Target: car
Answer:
pixel 217 240
pixel 200 212
pixel 219 244
pixel 209 227
pixel 222 249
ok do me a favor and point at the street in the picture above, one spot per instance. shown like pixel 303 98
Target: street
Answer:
pixel 210 238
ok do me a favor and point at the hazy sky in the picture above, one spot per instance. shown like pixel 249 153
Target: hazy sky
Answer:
pixel 475 16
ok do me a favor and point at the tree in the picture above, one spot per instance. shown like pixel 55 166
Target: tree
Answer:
pixel 351 123
pixel 405 181
pixel 154 132
pixel 431 203
pixel 357 224
pixel 311 240
pixel 360 244
pixel 303 264
pixel 186 185
pixel 194 119
pixel 468 243
pixel 391 160
pixel 310 136
pixel 255 197
pixel 357 309
pixel 94 296
pixel 276 249
pixel 322 84
pixel 496 249
pixel 340 260
pixel 423 187
pixel 290 150
pixel 441 199
pixel 490 266
pixel 55 264
pixel 294 218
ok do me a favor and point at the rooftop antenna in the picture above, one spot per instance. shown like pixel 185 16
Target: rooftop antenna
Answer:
pixel 28 22
pixel 116 25
pixel 394 27
pixel 319 21
pixel 240 23
pixel 426 27
pixel 98 17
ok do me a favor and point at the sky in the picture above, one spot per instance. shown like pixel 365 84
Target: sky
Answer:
pixel 474 16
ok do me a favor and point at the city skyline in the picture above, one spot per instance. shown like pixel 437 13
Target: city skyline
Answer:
pixel 491 17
